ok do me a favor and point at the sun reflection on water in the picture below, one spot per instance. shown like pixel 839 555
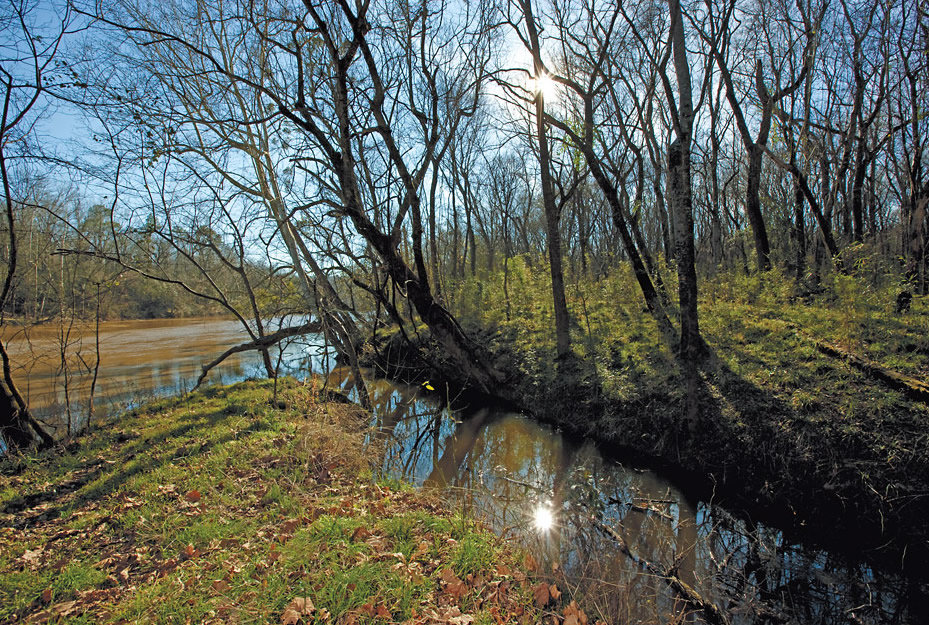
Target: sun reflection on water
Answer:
pixel 544 519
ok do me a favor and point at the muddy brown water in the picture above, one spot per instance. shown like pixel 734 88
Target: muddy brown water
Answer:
pixel 549 492
pixel 139 360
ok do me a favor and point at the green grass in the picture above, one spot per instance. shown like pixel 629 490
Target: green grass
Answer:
pixel 219 508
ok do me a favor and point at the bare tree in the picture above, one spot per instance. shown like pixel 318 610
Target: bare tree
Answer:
pixel 370 107
pixel 27 68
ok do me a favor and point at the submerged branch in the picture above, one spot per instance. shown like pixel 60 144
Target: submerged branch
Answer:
pixel 258 344
pixel 710 611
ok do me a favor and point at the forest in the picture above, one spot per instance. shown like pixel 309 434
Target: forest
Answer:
pixel 695 231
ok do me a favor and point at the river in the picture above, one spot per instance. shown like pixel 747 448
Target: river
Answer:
pixel 139 360
pixel 549 492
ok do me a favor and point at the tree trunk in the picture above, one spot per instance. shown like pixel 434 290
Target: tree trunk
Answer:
pixel 15 433
pixel 552 212
pixel 799 231
pixel 753 207
pixel 691 345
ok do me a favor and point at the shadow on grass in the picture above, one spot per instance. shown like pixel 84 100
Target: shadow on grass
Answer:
pixel 813 473
pixel 115 457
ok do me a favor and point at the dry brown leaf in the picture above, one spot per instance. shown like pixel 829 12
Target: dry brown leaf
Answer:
pixel 574 615
pixel 290 617
pixel 531 563
pixel 454 587
pixel 448 576
pixel 192 496
pixel 296 610
pixel 32 557
pixel 541 594
pixel 555 593
pixel 47 595
pixel 65 608
pixel 421 549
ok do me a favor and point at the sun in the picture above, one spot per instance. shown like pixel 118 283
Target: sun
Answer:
pixel 544 85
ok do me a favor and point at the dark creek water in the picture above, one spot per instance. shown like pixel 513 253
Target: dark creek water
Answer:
pixel 551 493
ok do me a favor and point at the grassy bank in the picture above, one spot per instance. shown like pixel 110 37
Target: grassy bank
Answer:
pixel 786 429
pixel 238 505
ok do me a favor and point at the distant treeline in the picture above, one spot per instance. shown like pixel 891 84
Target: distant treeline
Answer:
pixel 57 276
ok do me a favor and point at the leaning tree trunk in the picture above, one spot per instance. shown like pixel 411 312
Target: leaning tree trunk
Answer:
pixel 18 428
pixel 15 433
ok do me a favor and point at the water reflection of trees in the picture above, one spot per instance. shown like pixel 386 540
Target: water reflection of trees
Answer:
pixel 502 467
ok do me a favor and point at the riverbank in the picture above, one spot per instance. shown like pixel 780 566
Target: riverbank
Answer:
pixel 796 425
pixel 242 504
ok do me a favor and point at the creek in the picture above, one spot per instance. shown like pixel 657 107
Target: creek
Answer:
pixel 549 492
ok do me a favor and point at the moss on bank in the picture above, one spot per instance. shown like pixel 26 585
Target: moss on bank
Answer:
pixel 240 505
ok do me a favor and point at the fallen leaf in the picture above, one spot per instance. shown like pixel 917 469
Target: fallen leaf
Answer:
pixel 290 617
pixel 32 556
pixel 541 594
pixel 531 563
pixel 555 593
pixel 193 496
pixel 47 595
pixel 453 584
pixel 382 612
pixel 65 608
pixel 296 610
pixel 421 549
pixel 574 615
